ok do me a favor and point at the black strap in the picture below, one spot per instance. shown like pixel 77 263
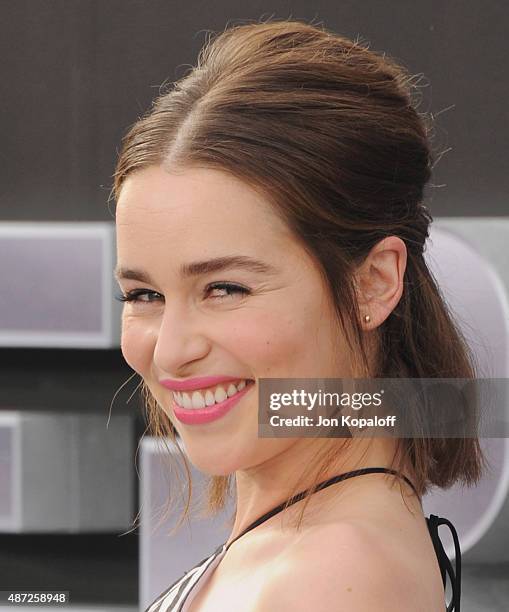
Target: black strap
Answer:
pixel 445 564
pixel 322 485
pixel 433 523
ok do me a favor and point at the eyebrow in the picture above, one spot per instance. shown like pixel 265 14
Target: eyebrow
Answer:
pixel 207 266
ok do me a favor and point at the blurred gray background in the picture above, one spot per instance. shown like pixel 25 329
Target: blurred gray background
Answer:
pixel 76 73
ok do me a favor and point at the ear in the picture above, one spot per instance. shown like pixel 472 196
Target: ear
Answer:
pixel 379 280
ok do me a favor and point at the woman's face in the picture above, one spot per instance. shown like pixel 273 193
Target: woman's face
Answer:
pixel 183 327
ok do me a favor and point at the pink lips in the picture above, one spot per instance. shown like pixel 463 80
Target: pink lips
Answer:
pixel 197 416
pixel 201 382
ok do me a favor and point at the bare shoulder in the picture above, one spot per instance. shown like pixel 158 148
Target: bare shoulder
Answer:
pixel 344 566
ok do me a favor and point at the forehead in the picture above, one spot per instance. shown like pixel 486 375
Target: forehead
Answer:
pixel 155 195
pixel 193 212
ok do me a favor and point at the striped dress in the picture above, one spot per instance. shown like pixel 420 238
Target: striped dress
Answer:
pixel 178 597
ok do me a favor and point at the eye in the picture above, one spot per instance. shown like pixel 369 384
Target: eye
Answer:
pixel 227 287
pixel 230 288
pixel 133 296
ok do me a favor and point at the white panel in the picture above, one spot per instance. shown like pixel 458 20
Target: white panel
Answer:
pixel 165 558
pixel 10 468
pixel 58 288
pixel 46 471
pixel 104 468
pixel 467 255
pixel 65 472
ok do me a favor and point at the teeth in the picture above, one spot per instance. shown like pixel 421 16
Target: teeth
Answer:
pixel 231 390
pixel 220 395
pixel 197 400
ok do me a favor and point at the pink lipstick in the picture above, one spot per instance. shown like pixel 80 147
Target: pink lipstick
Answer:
pixel 200 382
pixel 197 416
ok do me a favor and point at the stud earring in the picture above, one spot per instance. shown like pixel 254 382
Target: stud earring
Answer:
pixel 367 318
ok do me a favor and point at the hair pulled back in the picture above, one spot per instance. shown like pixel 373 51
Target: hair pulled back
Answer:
pixel 328 131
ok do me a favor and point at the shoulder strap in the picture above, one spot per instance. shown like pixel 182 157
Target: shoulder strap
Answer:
pixel 443 560
pixel 322 485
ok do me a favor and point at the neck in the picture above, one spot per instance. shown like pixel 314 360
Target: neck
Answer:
pixel 265 486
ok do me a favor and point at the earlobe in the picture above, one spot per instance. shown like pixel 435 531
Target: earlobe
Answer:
pixel 364 296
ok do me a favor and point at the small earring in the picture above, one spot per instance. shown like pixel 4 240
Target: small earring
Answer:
pixel 367 318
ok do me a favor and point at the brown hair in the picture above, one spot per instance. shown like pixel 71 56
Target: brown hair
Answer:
pixel 328 132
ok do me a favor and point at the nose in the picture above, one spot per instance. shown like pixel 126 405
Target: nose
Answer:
pixel 180 341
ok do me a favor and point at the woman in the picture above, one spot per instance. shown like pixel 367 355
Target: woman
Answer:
pixel 270 225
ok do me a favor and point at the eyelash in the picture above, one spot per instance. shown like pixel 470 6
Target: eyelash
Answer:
pixel 132 296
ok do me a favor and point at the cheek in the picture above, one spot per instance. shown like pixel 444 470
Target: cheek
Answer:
pixel 268 340
pixel 136 345
pixel 291 343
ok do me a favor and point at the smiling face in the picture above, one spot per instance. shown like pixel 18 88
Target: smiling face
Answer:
pixel 280 323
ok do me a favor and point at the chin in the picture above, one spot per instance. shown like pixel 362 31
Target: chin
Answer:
pixel 211 468
pixel 220 463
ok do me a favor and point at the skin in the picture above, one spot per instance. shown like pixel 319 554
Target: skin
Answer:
pixel 166 218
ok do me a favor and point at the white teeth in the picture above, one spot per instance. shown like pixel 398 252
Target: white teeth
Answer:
pixel 197 400
pixel 220 395
pixel 231 390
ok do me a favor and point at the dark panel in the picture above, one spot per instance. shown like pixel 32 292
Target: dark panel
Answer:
pixel 76 73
